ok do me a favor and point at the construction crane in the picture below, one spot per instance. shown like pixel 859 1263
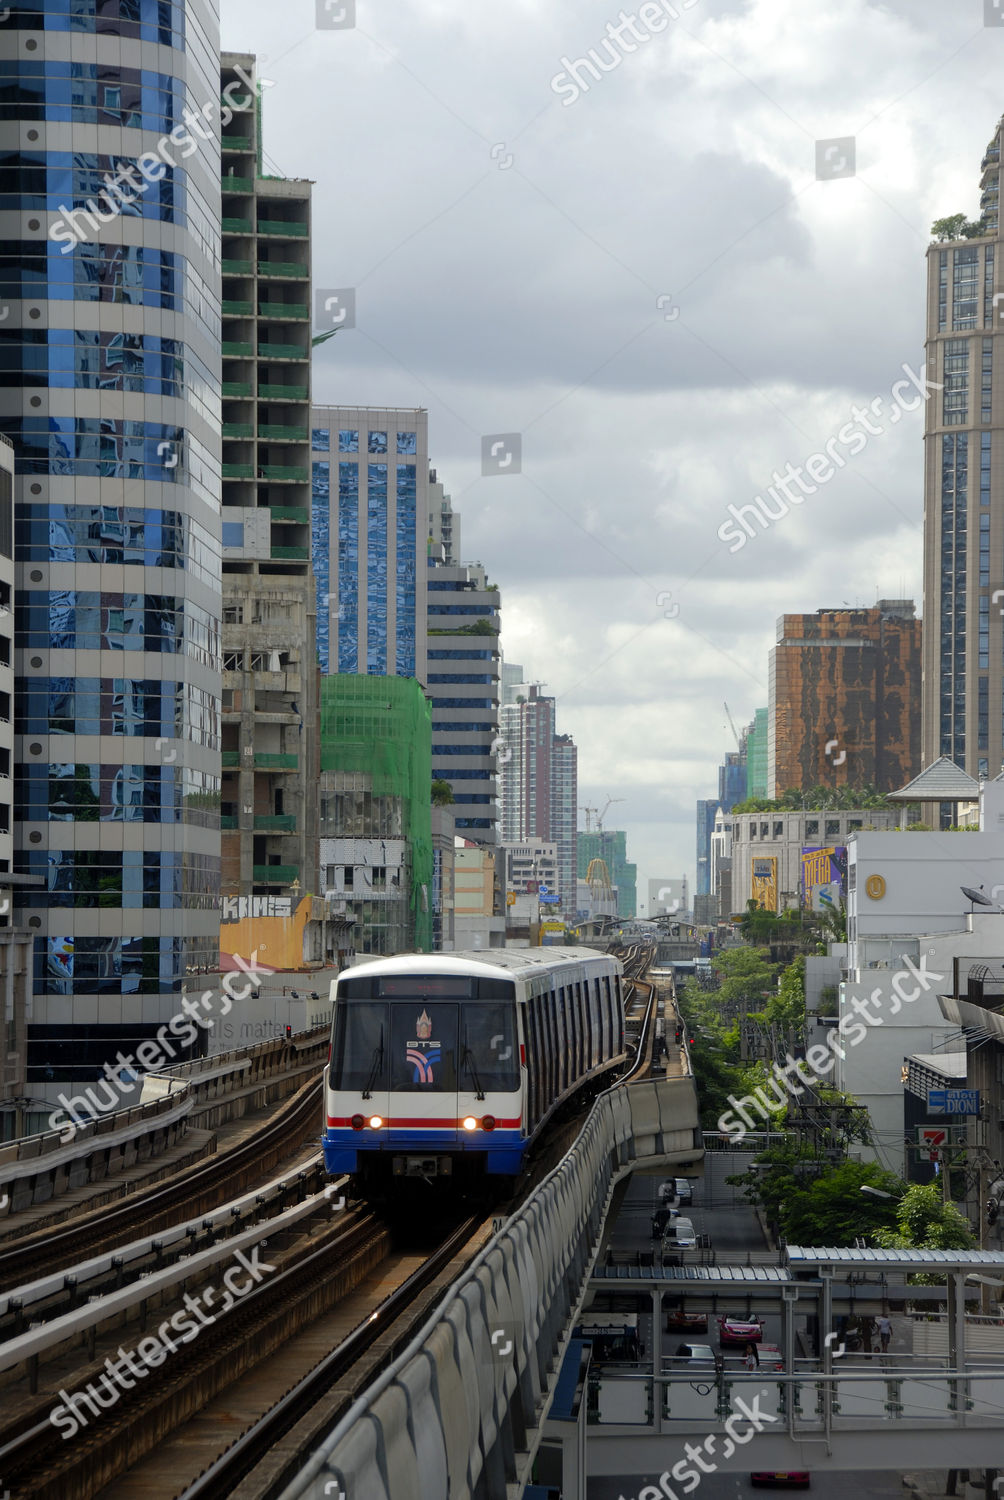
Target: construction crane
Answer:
pixel 599 816
pixel 735 732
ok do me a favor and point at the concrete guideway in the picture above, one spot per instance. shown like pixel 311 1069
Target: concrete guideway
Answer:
pixel 462 1409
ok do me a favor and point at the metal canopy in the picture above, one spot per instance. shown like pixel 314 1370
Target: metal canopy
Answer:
pixel 904 1260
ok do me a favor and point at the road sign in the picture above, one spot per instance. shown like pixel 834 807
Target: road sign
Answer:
pixel 510 898
pixel 953 1101
pixel 933 1137
pixel 548 900
pixel 544 891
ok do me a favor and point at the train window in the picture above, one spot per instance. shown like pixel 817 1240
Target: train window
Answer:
pixel 538 1078
pixel 595 1036
pixel 423 1047
pixel 607 1010
pixel 572 1013
pixel 581 1032
pixel 359 1055
pixel 487 1059
pixel 550 1006
pixel 561 1029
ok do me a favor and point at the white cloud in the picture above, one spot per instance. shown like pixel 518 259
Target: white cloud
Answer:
pixel 525 299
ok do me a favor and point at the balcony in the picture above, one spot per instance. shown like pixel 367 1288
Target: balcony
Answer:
pixel 236 390
pixel 275 874
pixel 283 393
pixel 284 473
pixel 275 823
pixel 238 471
pixel 282 351
pixel 283 310
pixel 237 267
pixel 282 228
pixel 297 515
pixel 237 307
pixel 236 226
pixel 283 434
pixel 231 183
pixel 228 822
pixel 290 554
pixel 283 268
pixel 238 429
pixel 231 760
pixel 237 349
pixel 270 761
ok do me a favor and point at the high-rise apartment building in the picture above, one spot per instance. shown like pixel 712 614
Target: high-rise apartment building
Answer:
pixel 444 524
pixel 538 773
pixel 756 754
pixel 270 767
pixel 370 513
pixel 732 778
pixel 707 807
pixel 109 246
pixel 963 650
pixel 844 690
pixel 463 685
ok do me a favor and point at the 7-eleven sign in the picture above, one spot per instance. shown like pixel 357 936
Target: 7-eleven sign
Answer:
pixel 932 1137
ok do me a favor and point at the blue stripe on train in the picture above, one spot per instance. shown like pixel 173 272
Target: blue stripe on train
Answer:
pixel 503 1150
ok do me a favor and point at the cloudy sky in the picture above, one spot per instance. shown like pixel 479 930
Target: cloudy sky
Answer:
pixel 643 275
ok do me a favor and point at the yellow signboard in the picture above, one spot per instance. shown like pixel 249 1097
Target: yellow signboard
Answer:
pixel 552 926
pixel 510 898
pixel 764 881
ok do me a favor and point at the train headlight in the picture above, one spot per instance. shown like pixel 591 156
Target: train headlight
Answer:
pixel 488 1123
pixel 470 1123
pixel 357 1122
pixel 375 1122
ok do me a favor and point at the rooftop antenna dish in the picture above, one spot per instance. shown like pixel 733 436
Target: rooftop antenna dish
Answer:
pixel 976 897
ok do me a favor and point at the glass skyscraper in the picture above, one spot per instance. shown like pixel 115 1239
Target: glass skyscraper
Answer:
pixel 110 395
pixel 963 645
pixel 370 474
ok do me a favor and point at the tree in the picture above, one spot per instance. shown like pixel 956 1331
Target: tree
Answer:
pixel 815 1203
pixel 442 793
pixel 957 226
pixel 925 1222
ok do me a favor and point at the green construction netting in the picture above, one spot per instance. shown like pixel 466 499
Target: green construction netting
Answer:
pixel 383 726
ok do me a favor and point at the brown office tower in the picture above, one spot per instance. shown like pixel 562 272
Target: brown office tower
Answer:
pixel 845 699
pixel 963 459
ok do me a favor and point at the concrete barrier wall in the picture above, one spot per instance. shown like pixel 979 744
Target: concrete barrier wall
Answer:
pixel 459 1414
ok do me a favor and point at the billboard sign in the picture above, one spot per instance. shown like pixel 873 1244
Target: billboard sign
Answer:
pixel 763 884
pixel 953 1101
pixel 824 876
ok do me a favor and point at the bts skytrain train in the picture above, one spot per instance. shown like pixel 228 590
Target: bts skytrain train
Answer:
pixel 449 1065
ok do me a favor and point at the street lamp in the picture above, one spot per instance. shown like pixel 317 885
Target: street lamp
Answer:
pixel 875 1192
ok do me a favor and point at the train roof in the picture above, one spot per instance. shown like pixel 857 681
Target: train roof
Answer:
pixel 485 964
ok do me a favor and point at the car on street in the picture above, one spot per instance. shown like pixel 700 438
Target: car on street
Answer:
pixel 678 1320
pixel 679 1234
pixel 697 1354
pixel 684 1192
pixel 739 1330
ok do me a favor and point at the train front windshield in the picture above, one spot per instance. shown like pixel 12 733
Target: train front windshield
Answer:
pixel 432 1033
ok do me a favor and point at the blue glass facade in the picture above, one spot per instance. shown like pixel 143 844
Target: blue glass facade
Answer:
pixel 119 396
pixel 348 566
pixel 376 564
pixel 366 533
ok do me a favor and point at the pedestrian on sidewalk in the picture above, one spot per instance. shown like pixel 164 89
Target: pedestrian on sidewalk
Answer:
pixel 884 1327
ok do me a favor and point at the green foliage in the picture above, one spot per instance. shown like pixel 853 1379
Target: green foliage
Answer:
pixel 925 1222
pixel 828 1001
pixel 787 1008
pixel 958 226
pixel 814 1203
pixel 442 793
pixel 817 799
